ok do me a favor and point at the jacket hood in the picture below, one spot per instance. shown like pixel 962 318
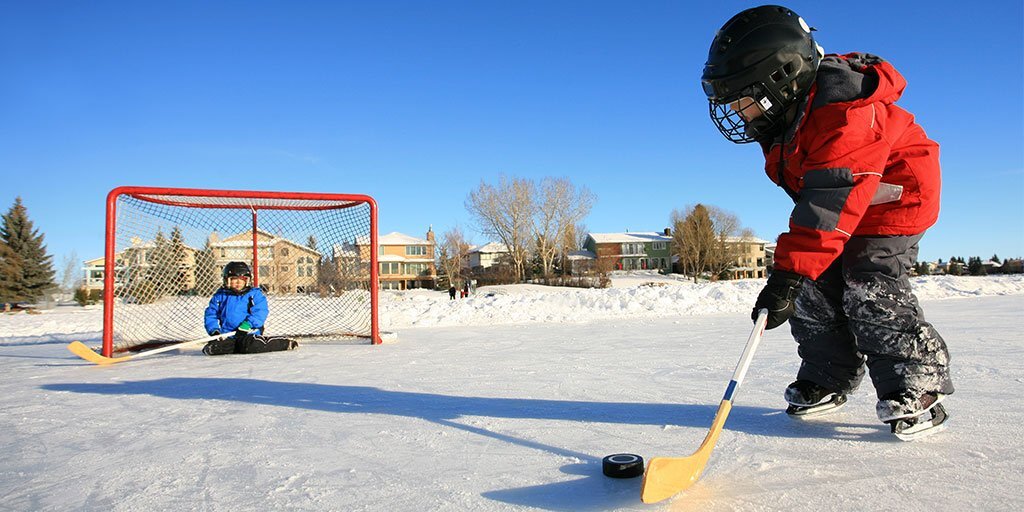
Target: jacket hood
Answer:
pixel 858 78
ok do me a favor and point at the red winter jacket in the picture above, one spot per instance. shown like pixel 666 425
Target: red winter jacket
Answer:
pixel 855 165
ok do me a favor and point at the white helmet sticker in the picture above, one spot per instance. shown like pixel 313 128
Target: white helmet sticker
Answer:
pixel 765 104
pixel 803 25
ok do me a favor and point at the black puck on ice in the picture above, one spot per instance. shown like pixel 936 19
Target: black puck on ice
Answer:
pixel 622 465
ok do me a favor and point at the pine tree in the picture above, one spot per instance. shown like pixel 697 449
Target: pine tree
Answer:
pixel 10 272
pixel 975 267
pixel 36 272
pixel 207 278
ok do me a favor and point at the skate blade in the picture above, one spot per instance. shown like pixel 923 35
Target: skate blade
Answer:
pixel 814 411
pixel 936 424
pixel 915 434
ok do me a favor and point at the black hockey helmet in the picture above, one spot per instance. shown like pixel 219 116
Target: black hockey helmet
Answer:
pixel 767 54
pixel 236 269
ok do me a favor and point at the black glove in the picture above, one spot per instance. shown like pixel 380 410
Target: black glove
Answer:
pixel 778 297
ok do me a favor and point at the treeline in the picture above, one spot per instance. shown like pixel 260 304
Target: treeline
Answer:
pixel 26 270
pixel 540 222
pixel 973 266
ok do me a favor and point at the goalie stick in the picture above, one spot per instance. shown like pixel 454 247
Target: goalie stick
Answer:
pixel 667 476
pixel 81 350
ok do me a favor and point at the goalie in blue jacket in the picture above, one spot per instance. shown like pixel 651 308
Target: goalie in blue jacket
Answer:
pixel 239 307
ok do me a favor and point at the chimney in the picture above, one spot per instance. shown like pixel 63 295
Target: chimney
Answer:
pixel 668 231
pixel 430 233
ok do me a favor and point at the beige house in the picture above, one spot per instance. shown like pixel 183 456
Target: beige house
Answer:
pixel 92 274
pixel 751 260
pixel 283 265
pixel 139 258
pixel 406 262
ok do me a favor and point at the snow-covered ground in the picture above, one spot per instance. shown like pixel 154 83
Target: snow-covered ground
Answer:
pixel 503 401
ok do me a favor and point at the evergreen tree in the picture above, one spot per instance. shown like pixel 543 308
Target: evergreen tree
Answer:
pixel 177 258
pixel 995 258
pixel 10 272
pixel 954 268
pixel 36 272
pixel 975 267
pixel 207 278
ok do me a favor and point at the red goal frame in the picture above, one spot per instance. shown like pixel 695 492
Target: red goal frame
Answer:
pixel 338 201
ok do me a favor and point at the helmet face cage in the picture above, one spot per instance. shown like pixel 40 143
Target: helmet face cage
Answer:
pixel 737 128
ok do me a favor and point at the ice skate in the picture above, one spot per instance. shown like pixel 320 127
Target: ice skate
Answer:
pixel 808 400
pixel 912 417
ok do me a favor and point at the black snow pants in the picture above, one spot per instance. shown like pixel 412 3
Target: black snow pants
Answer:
pixel 862 310
pixel 251 343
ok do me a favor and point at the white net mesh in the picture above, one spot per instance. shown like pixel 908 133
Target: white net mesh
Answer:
pixel 313 260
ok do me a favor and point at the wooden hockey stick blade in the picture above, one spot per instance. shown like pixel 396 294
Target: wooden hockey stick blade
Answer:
pixel 668 476
pixel 79 349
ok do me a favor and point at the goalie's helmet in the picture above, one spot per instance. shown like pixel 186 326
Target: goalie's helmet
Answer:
pixel 766 54
pixel 236 269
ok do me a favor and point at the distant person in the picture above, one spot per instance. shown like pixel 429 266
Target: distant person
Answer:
pixel 239 307
pixel 451 292
pixel 465 290
pixel 864 178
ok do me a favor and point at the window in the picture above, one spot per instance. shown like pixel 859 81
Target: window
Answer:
pixel 284 251
pixel 390 268
pixel 298 271
pixel 416 268
pixel 415 250
pixel 632 248
pixel 659 246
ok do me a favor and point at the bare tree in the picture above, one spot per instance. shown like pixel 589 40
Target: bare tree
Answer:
pixel 706 239
pixel 451 253
pixel 571 240
pixel 506 212
pixel 562 205
pixel 70 277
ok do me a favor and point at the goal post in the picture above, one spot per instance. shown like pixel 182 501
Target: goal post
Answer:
pixel 314 255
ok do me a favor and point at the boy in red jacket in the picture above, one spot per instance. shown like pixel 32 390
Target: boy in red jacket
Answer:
pixel 865 180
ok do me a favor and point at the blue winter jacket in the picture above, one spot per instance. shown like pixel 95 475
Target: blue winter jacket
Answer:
pixel 228 309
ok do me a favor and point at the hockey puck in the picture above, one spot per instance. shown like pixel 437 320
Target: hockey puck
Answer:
pixel 622 465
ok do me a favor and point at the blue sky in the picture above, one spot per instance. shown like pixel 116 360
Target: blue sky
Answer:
pixel 416 102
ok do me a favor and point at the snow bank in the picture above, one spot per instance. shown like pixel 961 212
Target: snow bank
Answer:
pixel 632 295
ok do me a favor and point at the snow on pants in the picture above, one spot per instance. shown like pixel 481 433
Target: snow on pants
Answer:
pixel 862 310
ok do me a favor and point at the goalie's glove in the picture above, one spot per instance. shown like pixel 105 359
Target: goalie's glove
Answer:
pixel 243 329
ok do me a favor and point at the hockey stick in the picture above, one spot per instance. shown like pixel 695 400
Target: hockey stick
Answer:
pixel 81 350
pixel 667 476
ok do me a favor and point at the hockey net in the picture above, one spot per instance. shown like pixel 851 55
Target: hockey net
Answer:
pixel 313 255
